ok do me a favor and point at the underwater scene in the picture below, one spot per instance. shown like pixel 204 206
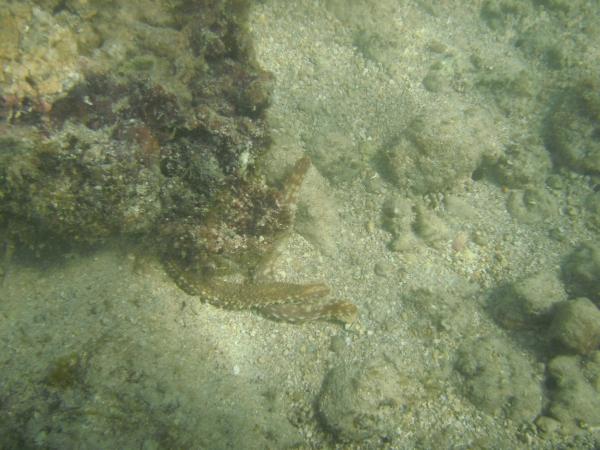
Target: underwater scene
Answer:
pixel 312 224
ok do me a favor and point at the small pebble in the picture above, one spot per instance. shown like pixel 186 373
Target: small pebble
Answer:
pixel 370 227
pixel 382 269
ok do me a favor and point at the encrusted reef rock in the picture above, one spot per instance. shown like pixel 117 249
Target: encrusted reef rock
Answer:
pixel 79 184
pixel 592 205
pixel 581 272
pixel 528 302
pixel 162 144
pixel 38 52
pixel 144 135
pixel 533 204
pixel 438 150
pixel 523 164
pixel 572 131
pixel 575 391
pixel 576 326
pixel 499 380
pixel 397 218
pixel 539 302
pixel 371 400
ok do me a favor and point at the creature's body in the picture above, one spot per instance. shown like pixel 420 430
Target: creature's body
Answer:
pixel 235 236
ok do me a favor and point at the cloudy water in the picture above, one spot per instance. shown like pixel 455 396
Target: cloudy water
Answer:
pixel 320 224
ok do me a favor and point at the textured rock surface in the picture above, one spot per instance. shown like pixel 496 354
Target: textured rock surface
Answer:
pixel 576 326
pixel 435 154
pixel 102 349
pixel 373 399
pixel 533 204
pixel 573 127
pixel 528 302
pixel 575 395
pixel 581 271
pixel 499 381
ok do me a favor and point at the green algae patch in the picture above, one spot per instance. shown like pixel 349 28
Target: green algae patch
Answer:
pixel 66 371
pixel 145 139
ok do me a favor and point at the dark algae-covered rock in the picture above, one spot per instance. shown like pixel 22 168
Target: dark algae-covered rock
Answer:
pixel 123 135
pixel 528 302
pixel 370 401
pixel 436 154
pixel 498 381
pixel 575 394
pixel 576 326
pixel 572 131
pixel 77 185
pixel 163 148
pixel 581 271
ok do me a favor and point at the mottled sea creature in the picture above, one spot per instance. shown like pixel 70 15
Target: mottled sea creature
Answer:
pixel 167 158
pixel 240 235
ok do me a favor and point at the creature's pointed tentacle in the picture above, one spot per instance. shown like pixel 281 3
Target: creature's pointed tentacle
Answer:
pixel 283 301
pixel 288 199
pixel 8 250
pixel 293 182
pixel 304 312
pixel 243 295
pixel 246 295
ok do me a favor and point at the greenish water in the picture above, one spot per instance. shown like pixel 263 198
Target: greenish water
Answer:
pixel 446 187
